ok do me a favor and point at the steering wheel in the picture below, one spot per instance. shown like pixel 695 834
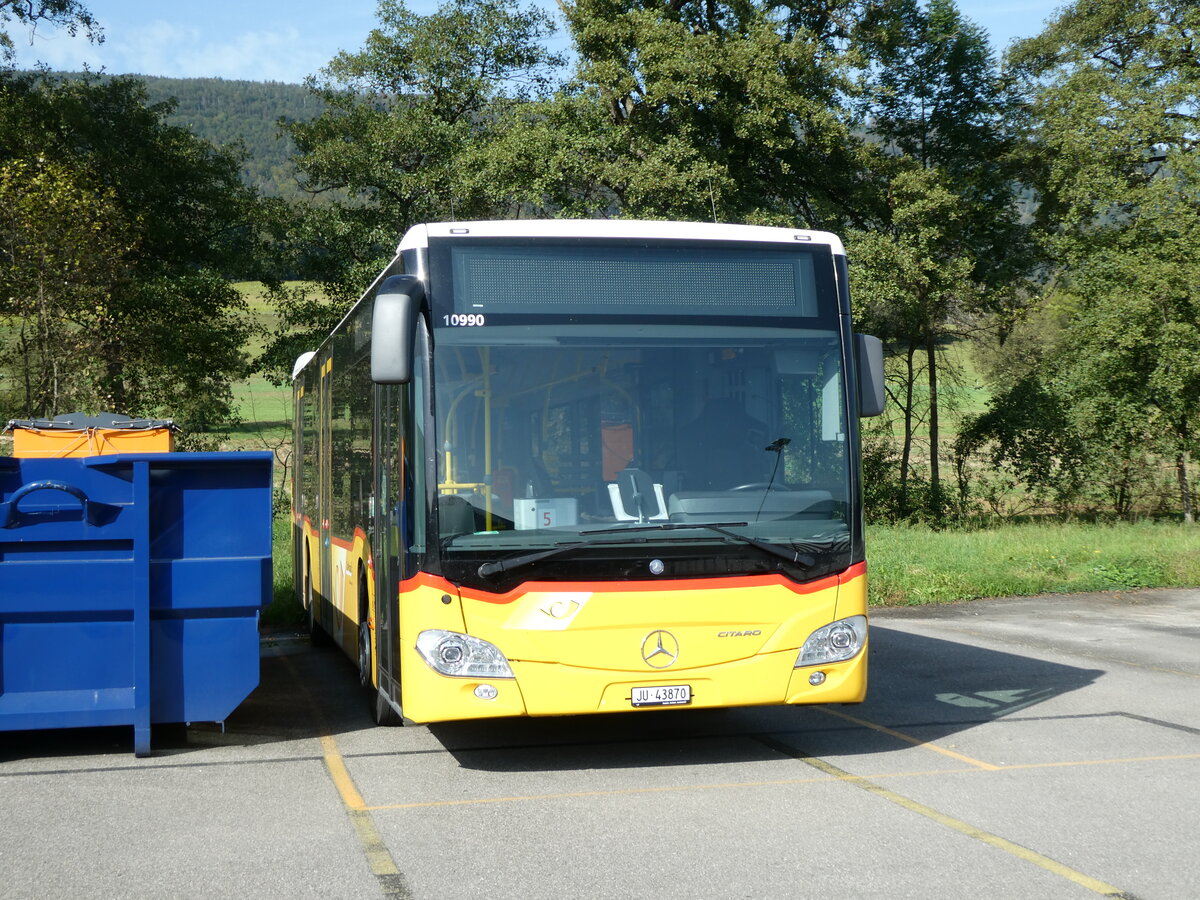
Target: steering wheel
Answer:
pixel 761 486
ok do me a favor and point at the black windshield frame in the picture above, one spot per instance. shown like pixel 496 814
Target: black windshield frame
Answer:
pixel 691 556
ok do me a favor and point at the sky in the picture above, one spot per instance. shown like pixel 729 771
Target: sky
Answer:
pixel 286 40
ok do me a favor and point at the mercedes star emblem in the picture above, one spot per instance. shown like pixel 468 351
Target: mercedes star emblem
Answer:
pixel 660 649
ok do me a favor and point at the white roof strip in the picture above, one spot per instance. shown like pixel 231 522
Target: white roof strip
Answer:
pixel 419 235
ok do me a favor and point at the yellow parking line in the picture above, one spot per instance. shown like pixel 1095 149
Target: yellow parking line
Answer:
pixel 778 782
pixel 391 880
pixel 908 739
pixel 1098 762
pixel 1050 865
pixel 340 774
pixel 622 792
pixel 379 858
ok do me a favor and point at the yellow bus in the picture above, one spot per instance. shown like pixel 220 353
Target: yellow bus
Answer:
pixel 565 467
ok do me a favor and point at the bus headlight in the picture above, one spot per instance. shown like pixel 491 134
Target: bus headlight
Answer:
pixel 451 653
pixel 835 642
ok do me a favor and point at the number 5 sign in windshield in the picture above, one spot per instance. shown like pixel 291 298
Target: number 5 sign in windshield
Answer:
pixel 533 513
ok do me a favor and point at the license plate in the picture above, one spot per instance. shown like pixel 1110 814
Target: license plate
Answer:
pixel 662 695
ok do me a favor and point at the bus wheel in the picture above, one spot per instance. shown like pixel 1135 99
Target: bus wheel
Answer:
pixel 381 710
pixel 383 713
pixel 364 654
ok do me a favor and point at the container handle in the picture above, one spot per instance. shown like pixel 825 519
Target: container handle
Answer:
pixel 9 511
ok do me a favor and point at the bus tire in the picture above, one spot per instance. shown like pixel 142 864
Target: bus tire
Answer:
pixel 366 670
pixel 383 713
pixel 364 654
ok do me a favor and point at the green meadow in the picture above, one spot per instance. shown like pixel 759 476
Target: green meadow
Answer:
pixel 913 565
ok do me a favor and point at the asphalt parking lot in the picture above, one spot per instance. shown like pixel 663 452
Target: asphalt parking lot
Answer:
pixel 1044 747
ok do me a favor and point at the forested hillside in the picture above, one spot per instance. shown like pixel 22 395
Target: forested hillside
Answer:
pixel 226 112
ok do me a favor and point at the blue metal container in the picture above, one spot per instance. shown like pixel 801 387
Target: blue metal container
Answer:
pixel 130 588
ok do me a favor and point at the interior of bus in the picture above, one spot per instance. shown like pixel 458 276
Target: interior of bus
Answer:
pixel 542 430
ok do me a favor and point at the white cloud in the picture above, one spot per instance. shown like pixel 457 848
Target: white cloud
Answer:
pixel 151 49
pixel 182 51
pixel 256 55
pixel 56 49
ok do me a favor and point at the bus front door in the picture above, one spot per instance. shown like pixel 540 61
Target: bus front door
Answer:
pixel 325 614
pixel 388 542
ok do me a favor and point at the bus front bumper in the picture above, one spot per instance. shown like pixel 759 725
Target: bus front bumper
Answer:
pixel 555 689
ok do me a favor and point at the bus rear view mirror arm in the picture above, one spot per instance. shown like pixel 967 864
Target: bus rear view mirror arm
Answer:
pixel 393 326
pixel 868 358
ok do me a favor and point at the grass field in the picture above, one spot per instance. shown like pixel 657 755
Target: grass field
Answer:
pixel 285 610
pixel 911 566
pixel 260 404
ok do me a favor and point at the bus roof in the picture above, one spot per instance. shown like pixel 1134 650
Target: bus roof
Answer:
pixel 419 235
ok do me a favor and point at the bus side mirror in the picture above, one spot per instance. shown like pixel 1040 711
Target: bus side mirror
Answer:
pixel 868 358
pixel 393 329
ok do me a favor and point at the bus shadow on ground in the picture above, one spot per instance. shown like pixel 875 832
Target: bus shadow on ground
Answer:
pixel 925 688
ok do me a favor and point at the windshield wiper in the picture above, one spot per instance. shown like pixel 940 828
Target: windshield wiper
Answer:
pixel 525 559
pixel 791 554
pixel 664 526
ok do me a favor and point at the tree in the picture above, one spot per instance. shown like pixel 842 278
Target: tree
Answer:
pixel 63 249
pixel 150 318
pixel 909 278
pixel 1114 89
pixel 1029 432
pixel 950 242
pixel 1135 347
pixel 1054 420
pixel 408 122
pixel 705 110
pixel 70 15
pixel 935 93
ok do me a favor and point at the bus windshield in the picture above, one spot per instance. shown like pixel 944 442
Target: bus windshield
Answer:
pixel 586 436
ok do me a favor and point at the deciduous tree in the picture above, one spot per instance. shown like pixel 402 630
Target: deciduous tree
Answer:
pixel 1115 92
pixel 713 111
pixel 151 317
pixel 408 125
pixel 63 249
pixel 950 242
pixel 70 15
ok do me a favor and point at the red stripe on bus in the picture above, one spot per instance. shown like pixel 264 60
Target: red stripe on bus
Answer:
pixel 423 579
pixel 858 570
pixel 690 584
pixel 359 534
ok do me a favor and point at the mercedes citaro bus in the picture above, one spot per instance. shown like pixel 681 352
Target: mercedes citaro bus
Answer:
pixel 565 467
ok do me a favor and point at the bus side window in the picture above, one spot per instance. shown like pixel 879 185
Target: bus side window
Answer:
pixel 416 398
pixel 831 410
